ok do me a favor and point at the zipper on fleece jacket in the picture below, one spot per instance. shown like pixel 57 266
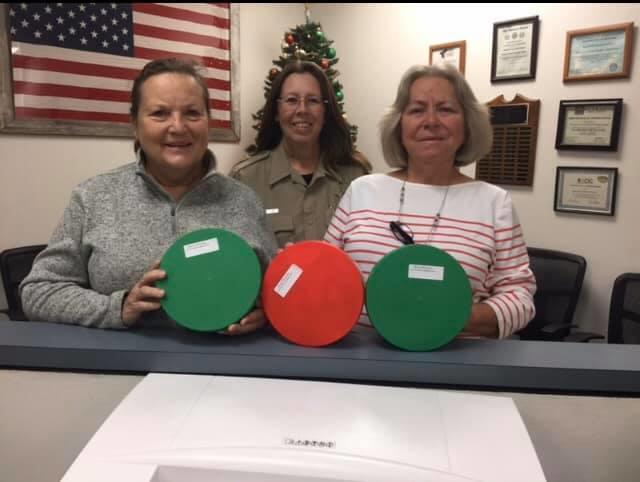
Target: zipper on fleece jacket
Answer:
pixel 153 185
pixel 174 227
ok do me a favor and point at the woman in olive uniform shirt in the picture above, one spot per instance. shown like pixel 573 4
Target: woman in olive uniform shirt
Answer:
pixel 304 158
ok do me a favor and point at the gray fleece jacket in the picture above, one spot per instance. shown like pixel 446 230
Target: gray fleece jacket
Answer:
pixel 115 227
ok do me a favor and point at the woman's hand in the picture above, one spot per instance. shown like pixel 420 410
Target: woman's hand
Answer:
pixel 251 322
pixel 482 322
pixel 286 245
pixel 143 296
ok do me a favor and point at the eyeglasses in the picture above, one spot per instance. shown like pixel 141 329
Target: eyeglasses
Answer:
pixel 402 232
pixel 293 101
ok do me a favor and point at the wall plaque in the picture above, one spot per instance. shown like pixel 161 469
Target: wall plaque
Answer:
pixel 515 132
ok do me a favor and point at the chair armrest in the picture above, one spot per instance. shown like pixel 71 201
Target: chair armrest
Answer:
pixel 583 337
pixel 554 328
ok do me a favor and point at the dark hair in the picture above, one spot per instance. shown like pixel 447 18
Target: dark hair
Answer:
pixel 166 66
pixel 336 146
pixel 478 131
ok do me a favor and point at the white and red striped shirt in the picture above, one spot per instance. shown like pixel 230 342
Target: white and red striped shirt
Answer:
pixel 478 227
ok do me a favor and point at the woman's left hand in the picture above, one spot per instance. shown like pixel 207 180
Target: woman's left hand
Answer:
pixel 251 322
pixel 482 322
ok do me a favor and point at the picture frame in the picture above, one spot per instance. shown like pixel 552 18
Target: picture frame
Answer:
pixel 514 50
pixel 453 53
pixel 80 90
pixel 586 190
pixel 598 53
pixel 589 125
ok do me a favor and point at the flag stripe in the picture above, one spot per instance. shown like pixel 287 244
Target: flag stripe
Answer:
pixel 179 25
pixel 216 9
pixel 73 92
pixel 181 14
pixel 87 105
pixel 80 68
pixel 178 36
pixel 66 114
pixel 55 90
pixel 204 55
pixel 42 77
pixel 151 54
pixel 131 65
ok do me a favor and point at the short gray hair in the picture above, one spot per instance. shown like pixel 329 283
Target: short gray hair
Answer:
pixel 478 132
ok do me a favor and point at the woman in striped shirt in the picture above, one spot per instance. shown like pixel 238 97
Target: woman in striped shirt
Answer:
pixel 434 127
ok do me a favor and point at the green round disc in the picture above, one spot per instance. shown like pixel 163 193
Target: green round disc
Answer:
pixel 213 279
pixel 418 298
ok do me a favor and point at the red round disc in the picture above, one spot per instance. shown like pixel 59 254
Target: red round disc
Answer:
pixel 313 293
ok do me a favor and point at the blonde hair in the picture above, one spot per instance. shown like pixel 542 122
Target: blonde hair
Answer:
pixel 478 132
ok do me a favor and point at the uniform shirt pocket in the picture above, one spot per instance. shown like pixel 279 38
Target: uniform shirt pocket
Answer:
pixel 282 227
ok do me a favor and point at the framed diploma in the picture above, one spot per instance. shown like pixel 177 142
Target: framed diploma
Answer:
pixel 515 49
pixel 588 190
pixel 592 125
pixel 451 53
pixel 598 53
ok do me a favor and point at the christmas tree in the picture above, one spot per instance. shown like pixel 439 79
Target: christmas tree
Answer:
pixel 308 42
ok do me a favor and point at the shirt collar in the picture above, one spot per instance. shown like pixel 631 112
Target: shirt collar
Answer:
pixel 209 156
pixel 281 168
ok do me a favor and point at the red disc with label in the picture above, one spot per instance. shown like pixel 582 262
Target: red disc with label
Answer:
pixel 313 293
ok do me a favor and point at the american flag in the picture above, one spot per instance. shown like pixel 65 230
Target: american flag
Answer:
pixel 77 61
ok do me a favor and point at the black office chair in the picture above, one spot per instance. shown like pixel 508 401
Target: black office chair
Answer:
pixel 15 264
pixel 559 276
pixel 624 312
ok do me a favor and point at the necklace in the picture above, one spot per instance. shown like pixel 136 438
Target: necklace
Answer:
pixel 402 232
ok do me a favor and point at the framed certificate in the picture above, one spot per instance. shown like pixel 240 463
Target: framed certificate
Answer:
pixel 592 125
pixel 515 49
pixel 588 190
pixel 452 53
pixel 598 53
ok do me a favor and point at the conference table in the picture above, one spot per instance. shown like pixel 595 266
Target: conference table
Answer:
pixel 58 383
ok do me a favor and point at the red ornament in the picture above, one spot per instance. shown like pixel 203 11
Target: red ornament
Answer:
pixel 324 63
pixel 273 73
pixel 289 39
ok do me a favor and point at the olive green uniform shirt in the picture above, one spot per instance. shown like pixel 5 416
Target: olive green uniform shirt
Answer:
pixel 295 211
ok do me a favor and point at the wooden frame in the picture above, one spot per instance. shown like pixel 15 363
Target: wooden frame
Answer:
pixel 11 124
pixel 586 190
pixel 453 53
pixel 514 51
pixel 515 135
pixel 598 53
pixel 590 125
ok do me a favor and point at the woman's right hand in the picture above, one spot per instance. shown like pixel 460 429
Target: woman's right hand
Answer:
pixel 143 296
pixel 286 245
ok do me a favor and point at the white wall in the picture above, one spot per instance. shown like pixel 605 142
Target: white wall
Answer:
pixel 376 44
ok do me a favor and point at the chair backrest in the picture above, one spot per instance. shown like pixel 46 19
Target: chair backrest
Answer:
pixel 559 276
pixel 15 264
pixel 624 312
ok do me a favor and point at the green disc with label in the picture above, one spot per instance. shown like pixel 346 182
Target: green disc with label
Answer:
pixel 213 279
pixel 418 298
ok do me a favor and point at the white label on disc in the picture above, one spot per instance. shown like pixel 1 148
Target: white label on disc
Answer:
pixel 424 271
pixel 201 247
pixel 272 211
pixel 288 280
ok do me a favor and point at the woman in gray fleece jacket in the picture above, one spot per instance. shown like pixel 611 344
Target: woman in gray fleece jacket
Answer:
pixel 101 264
